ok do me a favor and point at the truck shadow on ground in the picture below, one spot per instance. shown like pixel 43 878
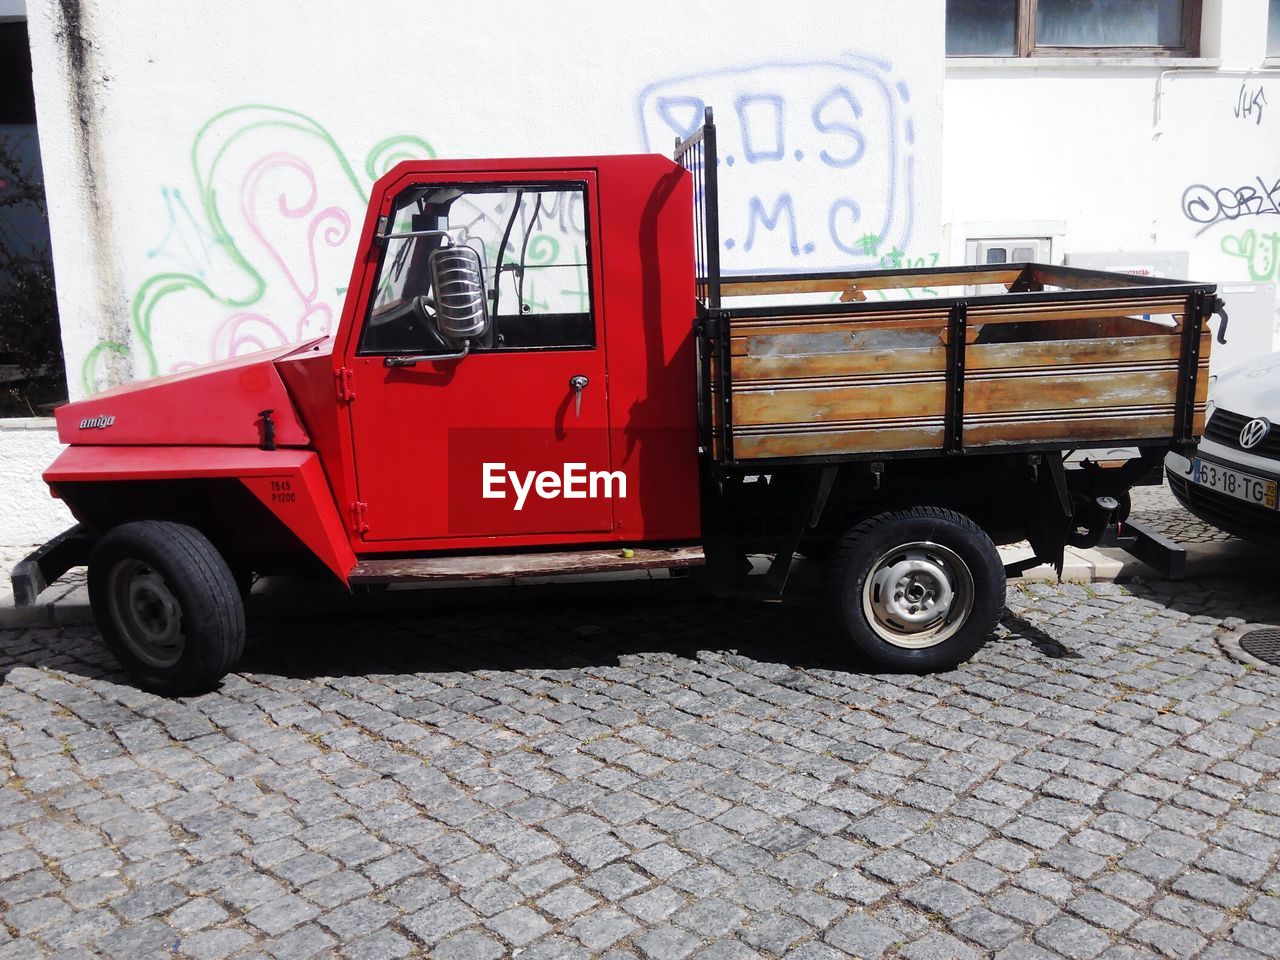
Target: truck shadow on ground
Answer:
pixel 1022 627
pixel 584 635
pixel 562 628
pixel 551 629
pixel 577 627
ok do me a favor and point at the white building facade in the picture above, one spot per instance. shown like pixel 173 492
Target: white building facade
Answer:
pixel 207 168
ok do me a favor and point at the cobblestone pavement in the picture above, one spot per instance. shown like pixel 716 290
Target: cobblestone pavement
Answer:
pixel 659 777
pixel 1161 512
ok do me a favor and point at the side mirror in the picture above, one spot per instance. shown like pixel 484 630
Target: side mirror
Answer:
pixel 462 310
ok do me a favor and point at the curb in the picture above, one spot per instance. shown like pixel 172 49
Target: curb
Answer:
pixel 1229 641
pixel 45 615
pixel 67 606
pixel 1079 566
pixel 1204 560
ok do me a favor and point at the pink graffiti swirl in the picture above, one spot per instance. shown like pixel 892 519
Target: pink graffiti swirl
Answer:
pixel 330 225
pixel 243 333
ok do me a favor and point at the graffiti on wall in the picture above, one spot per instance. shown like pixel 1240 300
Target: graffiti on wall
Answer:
pixel 824 156
pixel 258 240
pixel 1205 205
pixel 251 249
pixel 1259 251
pixel 1250 103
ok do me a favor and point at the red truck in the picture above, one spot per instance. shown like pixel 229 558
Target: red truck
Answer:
pixel 540 369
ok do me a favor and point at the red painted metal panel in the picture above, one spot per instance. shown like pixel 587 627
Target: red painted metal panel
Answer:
pixel 216 404
pixel 170 463
pixel 309 377
pixel 290 483
pixel 423 434
pixel 301 499
pixel 647 219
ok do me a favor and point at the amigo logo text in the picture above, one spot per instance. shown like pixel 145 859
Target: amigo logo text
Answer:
pixel 574 482
pixel 96 423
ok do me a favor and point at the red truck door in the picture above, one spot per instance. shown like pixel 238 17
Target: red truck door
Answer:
pixel 511 440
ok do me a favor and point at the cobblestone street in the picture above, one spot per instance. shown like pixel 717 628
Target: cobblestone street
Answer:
pixel 661 777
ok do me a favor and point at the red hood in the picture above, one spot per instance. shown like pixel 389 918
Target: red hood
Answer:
pixel 218 404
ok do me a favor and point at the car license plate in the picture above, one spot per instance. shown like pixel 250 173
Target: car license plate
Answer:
pixel 1234 483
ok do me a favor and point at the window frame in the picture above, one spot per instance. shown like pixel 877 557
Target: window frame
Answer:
pixel 577 184
pixel 1026 48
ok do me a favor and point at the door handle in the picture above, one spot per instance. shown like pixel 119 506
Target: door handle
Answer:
pixel 578 383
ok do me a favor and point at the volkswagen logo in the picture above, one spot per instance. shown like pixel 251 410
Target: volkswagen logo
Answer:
pixel 1254 432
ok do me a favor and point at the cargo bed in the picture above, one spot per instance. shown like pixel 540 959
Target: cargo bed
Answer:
pixel 1003 358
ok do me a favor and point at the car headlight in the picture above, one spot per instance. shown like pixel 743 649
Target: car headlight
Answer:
pixel 1209 405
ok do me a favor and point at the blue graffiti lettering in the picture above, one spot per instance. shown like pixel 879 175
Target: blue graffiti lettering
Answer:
pixel 756 214
pixel 682 114
pixel 799 127
pixel 846 129
pixel 767 111
pixel 857 246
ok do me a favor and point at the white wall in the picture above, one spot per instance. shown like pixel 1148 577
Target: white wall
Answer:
pixel 28 515
pixel 207 173
pixel 1129 157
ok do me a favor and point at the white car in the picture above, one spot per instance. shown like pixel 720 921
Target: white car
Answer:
pixel 1232 477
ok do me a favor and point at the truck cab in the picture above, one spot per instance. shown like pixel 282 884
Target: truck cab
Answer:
pixel 571 417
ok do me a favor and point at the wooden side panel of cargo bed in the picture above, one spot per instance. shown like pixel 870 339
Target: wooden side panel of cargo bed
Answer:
pixel 821 385
pixel 806 386
pixel 1077 391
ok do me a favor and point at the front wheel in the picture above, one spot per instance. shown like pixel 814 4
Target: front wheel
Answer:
pixel 167 605
pixel 915 590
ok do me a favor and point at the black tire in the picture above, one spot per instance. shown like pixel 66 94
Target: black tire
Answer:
pixel 167 605
pixel 945 555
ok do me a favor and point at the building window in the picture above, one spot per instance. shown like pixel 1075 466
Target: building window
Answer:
pixel 1074 28
pixel 1273 29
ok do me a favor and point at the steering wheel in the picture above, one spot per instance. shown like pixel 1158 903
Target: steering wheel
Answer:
pixel 426 322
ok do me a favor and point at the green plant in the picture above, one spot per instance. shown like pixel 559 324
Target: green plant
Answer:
pixel 30 342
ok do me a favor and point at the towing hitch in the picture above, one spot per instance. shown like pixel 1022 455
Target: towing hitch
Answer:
pixel 1092 521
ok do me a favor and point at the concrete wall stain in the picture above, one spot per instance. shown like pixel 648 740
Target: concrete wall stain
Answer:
pixel 112 319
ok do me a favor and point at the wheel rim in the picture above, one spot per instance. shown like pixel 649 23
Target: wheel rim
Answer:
pixel 918 595
pixel 146 614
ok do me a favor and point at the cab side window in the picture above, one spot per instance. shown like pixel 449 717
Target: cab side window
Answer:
pixel 533 244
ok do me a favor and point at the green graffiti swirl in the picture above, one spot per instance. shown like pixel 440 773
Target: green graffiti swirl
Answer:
pixel 212 141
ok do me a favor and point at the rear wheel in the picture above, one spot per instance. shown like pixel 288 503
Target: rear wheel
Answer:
pixel 167 605
pixel 915 590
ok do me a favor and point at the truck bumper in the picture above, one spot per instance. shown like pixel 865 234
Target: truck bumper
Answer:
pixel 47 563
